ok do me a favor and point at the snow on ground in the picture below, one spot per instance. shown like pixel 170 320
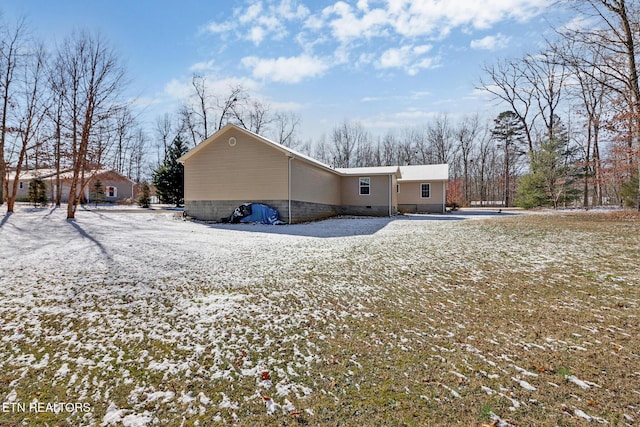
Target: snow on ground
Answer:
pixel 133 312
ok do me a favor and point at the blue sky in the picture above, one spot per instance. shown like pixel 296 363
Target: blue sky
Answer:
pixel 388 64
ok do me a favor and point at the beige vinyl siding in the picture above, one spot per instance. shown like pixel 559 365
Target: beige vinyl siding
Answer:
pixel 394 193
pixel 410 193
pixel 313 184
pixel 379 191
pixel 249 170
pixel 123 189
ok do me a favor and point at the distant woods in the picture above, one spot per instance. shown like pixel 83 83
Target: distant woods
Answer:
pixel 566 131
pixel 578 104
pixel 63 109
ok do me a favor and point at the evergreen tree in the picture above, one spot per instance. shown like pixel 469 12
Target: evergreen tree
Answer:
pixel 144 198
pixel 554 172
pixel 531 193
pixel 97 192
pixel 169 177
pixel 509 133
pixel 38 192
pixel 629 191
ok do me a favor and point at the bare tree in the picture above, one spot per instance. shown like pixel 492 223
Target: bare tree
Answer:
pixel 507 81
pixel 32 104
pixel 617 37
pixel 346 138
pixel 439 135
pixel 11 45
pixel 92 79
pixel 202 99
pixel 187 126
pixel 322 150
pixel 252 115
pixel 57 85
pixel 415 146
pixel 590 94
pixel 164 129
pixel 387 149
pixel 229 105
pixel 285 126
pixel 465 134
pixel 124 125
pixel 136 155
pixel 546 74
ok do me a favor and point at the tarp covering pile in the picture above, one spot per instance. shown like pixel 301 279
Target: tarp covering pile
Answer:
pixel 256 213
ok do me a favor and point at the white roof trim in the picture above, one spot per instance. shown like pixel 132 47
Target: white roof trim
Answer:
pixel 404 173
pixel 414 173
pixel 374 170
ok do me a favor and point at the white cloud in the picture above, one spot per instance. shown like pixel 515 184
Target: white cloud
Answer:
pixel 394 58
pixel 496 42
pixel 256 35
pixel 258 22
pixel 578 23
pixel 289 10
pixel 346 25
pixel 202 66
pixel 177 89
pixel 409 58
pixel 386 34
pixel 286 70
pixel 437 18
pixel 251 13
pixel 373 99
pixel 219 27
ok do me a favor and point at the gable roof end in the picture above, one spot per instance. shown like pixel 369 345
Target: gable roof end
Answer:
pixel 285 150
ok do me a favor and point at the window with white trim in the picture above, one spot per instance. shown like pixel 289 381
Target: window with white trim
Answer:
pixel 21 186
pixel 111 191
pixel 425 191
pixel 365 186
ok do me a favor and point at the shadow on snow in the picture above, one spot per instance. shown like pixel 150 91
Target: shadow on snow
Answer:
pixel 349 226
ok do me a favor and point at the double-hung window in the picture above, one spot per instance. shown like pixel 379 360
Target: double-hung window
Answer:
pixel 425 191
pixel 112 191
pixel 365 186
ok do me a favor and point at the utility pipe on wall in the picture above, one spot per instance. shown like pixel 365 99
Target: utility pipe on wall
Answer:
pixel 289 190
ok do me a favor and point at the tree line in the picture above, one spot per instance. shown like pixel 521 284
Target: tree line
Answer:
pixel 63 109
pixel 576 104
pixel 569 132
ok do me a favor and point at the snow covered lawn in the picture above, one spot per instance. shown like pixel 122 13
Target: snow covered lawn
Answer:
pixel 136 319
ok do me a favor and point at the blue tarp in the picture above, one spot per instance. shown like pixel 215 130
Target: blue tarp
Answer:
pixel 263 214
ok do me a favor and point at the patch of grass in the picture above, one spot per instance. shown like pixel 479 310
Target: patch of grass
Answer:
pixel 486 411
pixel 396 328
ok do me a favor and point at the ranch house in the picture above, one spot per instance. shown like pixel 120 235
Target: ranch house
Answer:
pixel 236 166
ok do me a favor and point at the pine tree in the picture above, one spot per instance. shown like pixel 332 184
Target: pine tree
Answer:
pixel 38 192
pixel 509 133
pixel 144 198
pixel 554 172
pixel 629 191
pixel 169 177
pixel 97 193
